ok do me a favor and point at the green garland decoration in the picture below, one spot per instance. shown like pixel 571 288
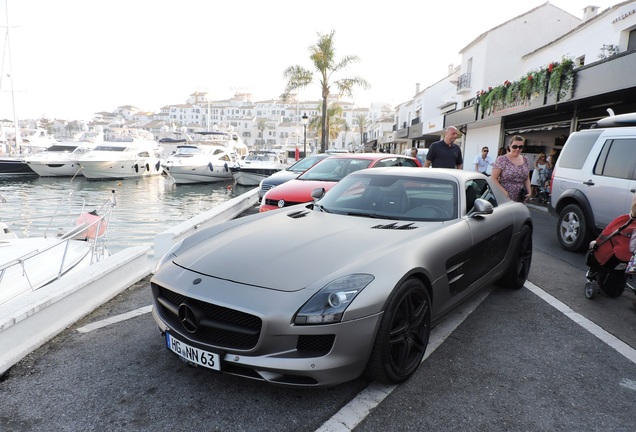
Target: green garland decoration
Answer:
pixel 554 79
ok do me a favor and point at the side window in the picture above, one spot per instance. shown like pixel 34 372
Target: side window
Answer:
pixel 617 159
pixel 577 148
pixel 478 188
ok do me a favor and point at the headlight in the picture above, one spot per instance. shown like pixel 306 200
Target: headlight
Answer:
pixel 168 255
pixel 328 305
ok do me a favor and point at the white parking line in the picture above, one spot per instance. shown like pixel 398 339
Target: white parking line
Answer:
pixel 115 319
pixel 359 407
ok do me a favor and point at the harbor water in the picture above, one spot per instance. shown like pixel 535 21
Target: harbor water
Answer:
pixel 144 206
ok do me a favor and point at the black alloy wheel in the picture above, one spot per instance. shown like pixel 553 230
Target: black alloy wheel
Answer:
pixel 403 335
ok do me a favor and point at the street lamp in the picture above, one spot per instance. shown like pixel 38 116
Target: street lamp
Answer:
pixel 305 119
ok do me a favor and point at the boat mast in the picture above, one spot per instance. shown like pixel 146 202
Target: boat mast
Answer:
pixel 7 49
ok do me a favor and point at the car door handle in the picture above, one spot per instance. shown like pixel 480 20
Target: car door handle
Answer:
pixel 589 183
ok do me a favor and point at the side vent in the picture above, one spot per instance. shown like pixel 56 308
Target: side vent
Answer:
pixel 298 214
pixel 395 226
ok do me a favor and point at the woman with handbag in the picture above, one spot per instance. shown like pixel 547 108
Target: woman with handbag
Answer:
pixel 511 171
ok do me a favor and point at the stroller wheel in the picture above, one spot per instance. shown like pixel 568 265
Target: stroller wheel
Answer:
pixel 590 290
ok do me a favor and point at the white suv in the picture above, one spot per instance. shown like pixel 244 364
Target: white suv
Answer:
pixel 594 180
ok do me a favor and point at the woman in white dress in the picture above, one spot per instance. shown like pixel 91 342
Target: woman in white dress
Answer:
pixel 541 167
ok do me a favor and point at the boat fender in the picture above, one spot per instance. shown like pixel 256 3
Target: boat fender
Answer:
pixel 226 167
pixel 210 166
pixel 158 165
pixel 147 167
pixel 136 167
pixel 95 225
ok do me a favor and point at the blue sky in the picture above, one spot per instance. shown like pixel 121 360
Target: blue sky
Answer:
pixel 72 58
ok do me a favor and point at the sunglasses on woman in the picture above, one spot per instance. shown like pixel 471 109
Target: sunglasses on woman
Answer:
pixel 515 147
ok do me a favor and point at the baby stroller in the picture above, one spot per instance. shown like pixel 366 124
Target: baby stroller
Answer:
pixel 607 259
pixel 544 187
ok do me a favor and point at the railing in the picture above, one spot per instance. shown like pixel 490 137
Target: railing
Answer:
pixel 93 231
pixel 463 83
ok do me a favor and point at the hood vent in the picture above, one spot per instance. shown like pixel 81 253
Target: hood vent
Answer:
pixel 298 214
pixel 395 226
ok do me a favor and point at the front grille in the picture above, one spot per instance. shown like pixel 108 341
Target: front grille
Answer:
pixel 266 187
pixel 274 202
pixel 317 345
pixel 219 326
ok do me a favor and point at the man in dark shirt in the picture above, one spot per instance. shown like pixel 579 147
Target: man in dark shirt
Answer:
pixel 445 153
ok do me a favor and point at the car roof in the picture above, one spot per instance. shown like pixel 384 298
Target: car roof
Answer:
pixel 370 156
pixel 460 176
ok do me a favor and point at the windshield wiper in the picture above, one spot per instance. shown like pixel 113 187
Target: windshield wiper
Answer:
pixel 369 215
pixel 321 208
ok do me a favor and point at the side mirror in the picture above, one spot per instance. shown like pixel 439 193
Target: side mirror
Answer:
pixel 482 207
pixel 317 193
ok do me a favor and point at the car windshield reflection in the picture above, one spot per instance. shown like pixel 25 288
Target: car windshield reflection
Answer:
pixel 393 197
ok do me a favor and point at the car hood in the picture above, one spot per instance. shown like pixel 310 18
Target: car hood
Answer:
pixel 298 190
pixel 288 253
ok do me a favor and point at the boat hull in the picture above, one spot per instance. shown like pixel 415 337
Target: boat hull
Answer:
pixel 14 167
pixel 120 169
pixel 55 169
pixel 37 271
pixel 252 176
pixel 197 175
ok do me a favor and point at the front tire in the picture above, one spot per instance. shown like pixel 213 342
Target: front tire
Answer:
pixel 572 228
pixel 519 268
pixel 403 335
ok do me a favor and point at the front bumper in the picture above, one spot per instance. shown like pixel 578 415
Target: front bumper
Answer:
pixel 281 353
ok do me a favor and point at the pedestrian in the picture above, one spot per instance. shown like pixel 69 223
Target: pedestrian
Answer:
pixel 537 181
pixel 415 155
pixel 483 161
pixel 511 171
pixel 445 153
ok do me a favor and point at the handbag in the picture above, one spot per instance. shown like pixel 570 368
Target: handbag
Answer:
pixel 522 195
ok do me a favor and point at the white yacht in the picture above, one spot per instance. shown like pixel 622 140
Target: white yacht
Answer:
pixel 196 163
pixel 256 166
pixel 61 159
pixel 128 154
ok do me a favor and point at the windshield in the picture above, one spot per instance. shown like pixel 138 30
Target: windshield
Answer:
pixel 393 197
pixel 334 169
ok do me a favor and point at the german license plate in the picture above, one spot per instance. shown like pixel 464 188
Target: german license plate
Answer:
pixel 195 355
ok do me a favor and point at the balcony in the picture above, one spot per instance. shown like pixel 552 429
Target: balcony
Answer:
pixel 463 83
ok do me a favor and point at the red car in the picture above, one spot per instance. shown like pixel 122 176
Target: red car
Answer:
pixel 326 174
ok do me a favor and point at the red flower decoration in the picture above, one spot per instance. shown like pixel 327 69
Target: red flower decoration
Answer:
pixel 550 67
pixel 529 77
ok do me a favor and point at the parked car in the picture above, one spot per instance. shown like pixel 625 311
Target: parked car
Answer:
pixel 326 174
pixel 351 283
pixel 289 173
pixel 594 180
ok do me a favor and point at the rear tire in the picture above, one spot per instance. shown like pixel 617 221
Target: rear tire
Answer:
pixel 403 334
pixel 519 267
pixel 572 228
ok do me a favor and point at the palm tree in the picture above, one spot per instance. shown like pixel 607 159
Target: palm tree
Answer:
pixel 325 65
pixel 261 124
pixel 362 122
pixel 335 122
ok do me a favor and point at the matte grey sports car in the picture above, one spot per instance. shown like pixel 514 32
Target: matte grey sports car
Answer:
pixel 317 294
